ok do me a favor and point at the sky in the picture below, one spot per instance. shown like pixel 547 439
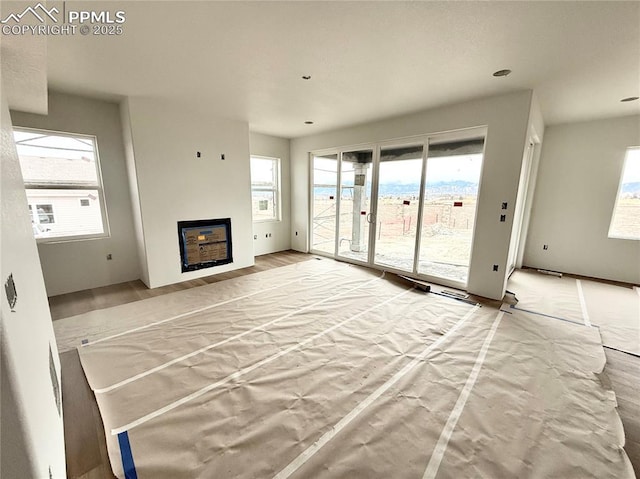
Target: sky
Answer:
pixel 631 172
pixel 445 168
pixel 449 168
pixel 38 144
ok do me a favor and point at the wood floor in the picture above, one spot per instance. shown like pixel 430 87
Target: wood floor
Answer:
pixel 84 434
pixel 66 305
pixel 86 449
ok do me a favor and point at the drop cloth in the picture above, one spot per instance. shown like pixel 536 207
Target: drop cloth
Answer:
pixel 614 310
pixel 365 367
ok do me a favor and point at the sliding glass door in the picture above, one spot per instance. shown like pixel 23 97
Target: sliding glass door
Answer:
pixel 324 203
pixel 449 208
pixel 408 207
pixel 355 201
pixel 397 201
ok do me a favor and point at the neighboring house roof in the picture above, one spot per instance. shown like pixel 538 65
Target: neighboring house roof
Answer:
pixel 58 170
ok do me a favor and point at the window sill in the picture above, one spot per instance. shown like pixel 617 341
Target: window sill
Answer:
pixel 71 239
pixel 267 221
pixel 628 238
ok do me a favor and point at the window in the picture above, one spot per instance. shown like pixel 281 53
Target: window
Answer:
pixel 265 188
pixel 63 184
pixel 44 215
pixel 625 222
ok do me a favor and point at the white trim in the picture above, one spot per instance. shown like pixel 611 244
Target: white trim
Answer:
pixel 583 304
pixel 99 186
pixel 336 232
pixel 241 372
pixel 480 131
pixel 373 226
pixel 71 239
pixel 441 446
pixel 276 189
pixel 518 209
pixel 338 239
pixel 308 453
pixel 611 235
pixel 421 197
pixel 312 156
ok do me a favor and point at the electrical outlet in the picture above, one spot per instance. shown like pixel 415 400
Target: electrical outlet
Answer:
pixel 503 218
pixel 545 247
pixel 495 267
pixel 198 154
pixel 222 156
pixel 504 205
pixel 109 257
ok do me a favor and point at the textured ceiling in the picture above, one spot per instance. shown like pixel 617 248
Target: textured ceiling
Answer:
pixel 24 68
pixel 368 60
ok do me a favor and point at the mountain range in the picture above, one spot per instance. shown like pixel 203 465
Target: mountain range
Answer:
pixel 631 188
pixel 436 188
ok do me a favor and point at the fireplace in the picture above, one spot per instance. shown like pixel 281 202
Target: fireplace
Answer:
pixel 204 243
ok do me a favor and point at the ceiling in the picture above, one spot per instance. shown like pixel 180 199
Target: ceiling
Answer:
pixel 23 68
pixel 368 60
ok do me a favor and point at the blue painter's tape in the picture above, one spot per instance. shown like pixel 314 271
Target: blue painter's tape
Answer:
pixel 127 458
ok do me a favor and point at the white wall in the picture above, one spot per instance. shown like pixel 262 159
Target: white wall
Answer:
pixel 32 439
pixel 526 187
pixel 576 190
pixel 174 185
pixel 507 119
pixel 134 191
pixel 280 239
pixel 78 265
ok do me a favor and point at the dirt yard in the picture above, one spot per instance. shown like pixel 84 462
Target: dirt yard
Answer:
pixel 446 232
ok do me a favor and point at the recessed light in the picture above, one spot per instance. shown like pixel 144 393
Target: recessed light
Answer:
pixel 306 77
pixel 308 122
pixel 501 73
pixel 630 98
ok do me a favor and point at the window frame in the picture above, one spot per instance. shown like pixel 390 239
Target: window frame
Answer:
pixel 99 187
pixel 610 234
pixel 36 215
pixel 276 189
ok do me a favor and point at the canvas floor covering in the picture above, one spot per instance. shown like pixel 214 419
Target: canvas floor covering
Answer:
pixel 326 370
pixel 614 310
